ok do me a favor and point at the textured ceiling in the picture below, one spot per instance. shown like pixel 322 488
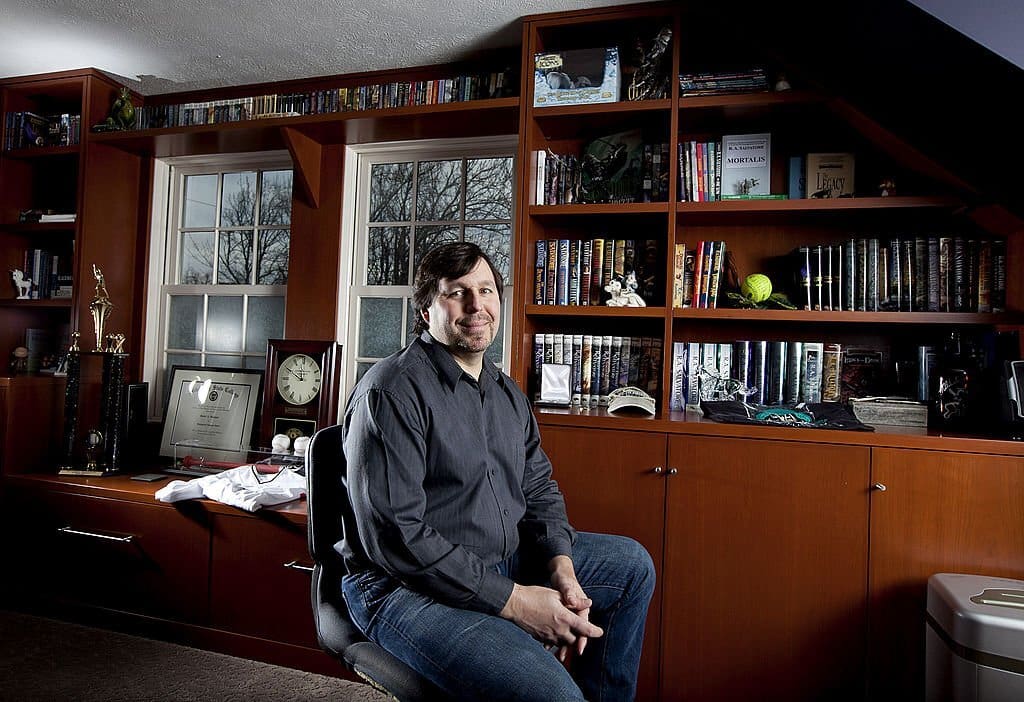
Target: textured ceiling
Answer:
pixel 161 46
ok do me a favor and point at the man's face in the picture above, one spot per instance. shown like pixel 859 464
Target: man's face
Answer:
pixel 465 314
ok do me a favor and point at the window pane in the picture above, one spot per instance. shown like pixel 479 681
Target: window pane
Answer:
pixel 489 188
pixel 496 241
pixel 195 266
pixel 390 192
pixel 185 322
pixel 225 361
pixel 438 191
pixel 380 326
pixel 234 258
pixel 178 359
pixel 255 362
pixel 238 200
pixel 361 369
pixel 200 201
pixel 272 257
pixel 428 238
pixel 387 256
pixel 265 321
pixel 496 350
pixel 224 324
pixel 276 197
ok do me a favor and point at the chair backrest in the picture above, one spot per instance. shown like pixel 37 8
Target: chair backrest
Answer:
pixel 330 515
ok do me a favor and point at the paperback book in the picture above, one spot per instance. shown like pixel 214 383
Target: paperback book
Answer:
pixel 746 164
pixel 829 175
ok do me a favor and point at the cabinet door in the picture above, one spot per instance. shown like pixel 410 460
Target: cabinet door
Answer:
pixel 940 512
pixel 148 559
pixel 260 585
pixel 765 570
pixel 610 486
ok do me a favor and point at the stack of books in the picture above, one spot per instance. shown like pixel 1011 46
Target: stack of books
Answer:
pixel 722 83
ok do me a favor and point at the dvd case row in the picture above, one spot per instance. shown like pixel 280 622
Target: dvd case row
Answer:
pixel 600 363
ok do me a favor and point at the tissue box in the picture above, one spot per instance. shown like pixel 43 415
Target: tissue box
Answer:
pixel 576 77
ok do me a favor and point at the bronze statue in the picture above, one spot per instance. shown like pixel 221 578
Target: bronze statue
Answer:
pixel 101 306
pixel 122 114
pixel 650 81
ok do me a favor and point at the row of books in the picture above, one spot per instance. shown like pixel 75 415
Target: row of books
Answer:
pixel 49 273
pixel 26 129
pixel 364 97
pixel 737 166
pixel 723 82
pixel 903 274
pixel 772 372
pixel 601 363
pixel 563 179
pixel 575 271
pixel 697 273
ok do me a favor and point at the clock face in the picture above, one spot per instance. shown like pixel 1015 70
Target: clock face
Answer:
pixel 298 379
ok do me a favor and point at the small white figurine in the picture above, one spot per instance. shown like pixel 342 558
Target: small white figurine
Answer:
pixel 23 284
pixel 624 294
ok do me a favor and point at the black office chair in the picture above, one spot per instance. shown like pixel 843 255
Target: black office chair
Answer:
pixel 327 502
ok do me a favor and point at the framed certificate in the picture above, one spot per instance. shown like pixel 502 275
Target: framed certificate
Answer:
pixel 210 412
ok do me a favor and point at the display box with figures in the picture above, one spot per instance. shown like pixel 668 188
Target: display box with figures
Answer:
pixel 576 77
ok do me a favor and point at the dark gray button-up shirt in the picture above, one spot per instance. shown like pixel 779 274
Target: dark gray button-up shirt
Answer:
pixel 445 476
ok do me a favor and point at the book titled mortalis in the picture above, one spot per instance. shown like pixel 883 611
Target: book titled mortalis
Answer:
pixel 746 164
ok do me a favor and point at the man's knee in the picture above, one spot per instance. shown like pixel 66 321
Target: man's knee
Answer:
pixel 641 564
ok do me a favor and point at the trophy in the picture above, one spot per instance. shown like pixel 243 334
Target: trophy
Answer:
pixel 101 306
pixel 94 397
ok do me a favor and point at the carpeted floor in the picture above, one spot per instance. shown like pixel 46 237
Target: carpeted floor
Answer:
pixel 46 660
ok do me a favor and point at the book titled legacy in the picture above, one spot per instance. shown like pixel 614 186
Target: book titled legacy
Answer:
pixel 746 164
pixel 829 175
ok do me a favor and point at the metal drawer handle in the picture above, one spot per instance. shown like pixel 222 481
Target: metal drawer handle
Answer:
pixel 295 565
pixel 94 535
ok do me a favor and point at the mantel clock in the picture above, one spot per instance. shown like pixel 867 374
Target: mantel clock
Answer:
pixel 301 392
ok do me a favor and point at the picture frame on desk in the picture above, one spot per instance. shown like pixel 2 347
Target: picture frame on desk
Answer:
pixel 210 412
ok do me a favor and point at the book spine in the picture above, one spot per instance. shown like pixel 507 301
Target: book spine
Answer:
pixel 717 261
pixel 920 274
pixel 776 373
pixel 707 256
pixel 812 366
pixel 943 274
pixel 586 256
pixel 577 369
pixel 625 359
pixel 538 361
pixel 816 278
pixel 557 348
pixel 677 390
pixel 551 289
pixel 871 277
pixel 586 369
pixel 907 278
pixel 959 268
pixel 574 272
pixel 597 272
pixel 655 366
pixel 616 364
pixel 540 273
pixel 740 370
pixel 850 283
pixel 608 264
pixel 984 276
pixel 759 371
pixel 596 359
pixel 999 275
pixel 831 372
pixel 895 264
pixel 698 263
pixel 934 296
pixel 607 350
pixel 679 261
pixel 693 358
pixel 794 368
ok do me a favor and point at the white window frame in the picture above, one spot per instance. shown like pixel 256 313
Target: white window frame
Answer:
pixel 358 159
pixel 168 189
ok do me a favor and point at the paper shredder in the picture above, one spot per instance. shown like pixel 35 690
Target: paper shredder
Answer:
pixel 974 639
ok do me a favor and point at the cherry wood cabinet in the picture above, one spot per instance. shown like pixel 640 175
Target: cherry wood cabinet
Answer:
pixel 149 559
pixel 618 488
pixel 260 578
pixel 765 570
pixel 933 512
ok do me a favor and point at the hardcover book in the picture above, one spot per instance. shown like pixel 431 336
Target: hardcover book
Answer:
pixel 829 175
pixel 746 164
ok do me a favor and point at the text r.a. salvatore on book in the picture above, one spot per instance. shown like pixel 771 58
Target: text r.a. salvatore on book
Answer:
pixel 746 164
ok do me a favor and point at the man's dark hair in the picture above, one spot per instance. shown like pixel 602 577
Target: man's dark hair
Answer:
pixel 446 261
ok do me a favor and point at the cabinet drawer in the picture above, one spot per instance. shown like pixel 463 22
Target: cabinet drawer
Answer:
pixel 260 584
pixel 149 559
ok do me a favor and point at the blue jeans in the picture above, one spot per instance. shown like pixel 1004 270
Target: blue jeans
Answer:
pixel 476 656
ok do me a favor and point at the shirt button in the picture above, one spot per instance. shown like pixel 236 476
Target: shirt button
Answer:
pixel 505 512
pixel 493 471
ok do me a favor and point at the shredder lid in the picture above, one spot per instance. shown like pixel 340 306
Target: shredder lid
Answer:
pixel 979 612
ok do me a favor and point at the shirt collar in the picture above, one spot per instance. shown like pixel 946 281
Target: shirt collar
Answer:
pixel 447 366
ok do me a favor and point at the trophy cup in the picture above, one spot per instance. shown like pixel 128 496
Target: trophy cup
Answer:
pixel 94 398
